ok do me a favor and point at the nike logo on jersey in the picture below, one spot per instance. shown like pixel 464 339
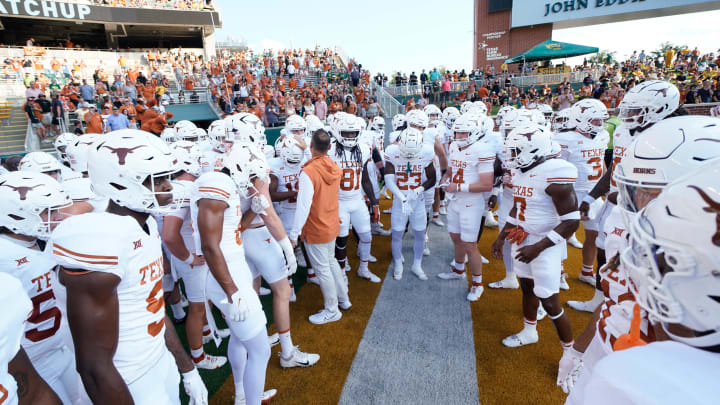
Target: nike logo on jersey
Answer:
pixel 137 244
pixel 21 261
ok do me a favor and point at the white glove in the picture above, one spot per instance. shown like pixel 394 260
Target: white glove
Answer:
pixel 289 253
pixel 237 310
pixel 258 204
pixel 406 207
pixel 569 369
pixel 195 388
pixel 415 193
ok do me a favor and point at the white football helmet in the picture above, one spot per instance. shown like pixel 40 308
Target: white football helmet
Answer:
pixel 466 131
pixel 465 106
pixel 30 203
pixel 417 119
pixel 589 116
pixel 121 161
pixel 41 162
pixel 296 125
pixel 219 136
pixel 450 114
pixel 184 125
pixel 398 122
pixel 290 151
pixel 648 103
pixel 662 154
pixel 377 124
pixel 61 143
pixel 410 143
pixel 525 145
pixel 433 112
pixel 188 156
pixel 245 128
pixel 169 136
pixel 479 107
pixel 514 119
pixel 673 258
pixel 77 152
pixel 546 110
pixel 502 112
pixel 564 120
pixel 312 123
pixel 246 163
pixel 347 130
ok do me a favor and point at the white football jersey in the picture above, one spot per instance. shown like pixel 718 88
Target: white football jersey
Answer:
pixel 182 192
pixel 393 137
pixel 367 138
pixel 17 307
pixel 621 143
pixel 660 373
pixel 352 171
pixel 116 244
pixel 535 209
pixel 468 163
pixel 409 174
pixel 586 154
pixel 36 272
pixel 379 140
pixel 430 134
pixel 288 177
pixel 269 151
pixel 219 186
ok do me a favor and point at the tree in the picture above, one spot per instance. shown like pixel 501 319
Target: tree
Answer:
pixel 604 56
pixel 660 52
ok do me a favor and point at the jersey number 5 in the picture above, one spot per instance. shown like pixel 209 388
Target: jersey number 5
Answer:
pixel 36 335
pixel 155 304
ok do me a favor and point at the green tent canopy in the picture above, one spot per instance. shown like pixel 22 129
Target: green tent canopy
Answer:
pixel 551 50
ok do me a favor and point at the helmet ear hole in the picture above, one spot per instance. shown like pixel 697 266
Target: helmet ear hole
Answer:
pixel 118 187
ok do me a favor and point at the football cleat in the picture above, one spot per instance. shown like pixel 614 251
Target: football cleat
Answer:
pixel 586 306
pixel 541 314
pixel 312 278
pixel 325 316
pixel 293 297
pixel 437 221
pixel 266 398
pixel 587 279
pixel 490 221
pixel 443 208
pixel 453 274
pixel 511 283
pixel 344 305
pixel 211 362
pixel 397 269
pixel 377 229
pixel 298 359
pixel 574 242
pixel 484 260
pixel 265 291
pixel 418 271
pixel 563 282
pixel 274 339
pixel 368 275
pixel 475 293
pixel 525 337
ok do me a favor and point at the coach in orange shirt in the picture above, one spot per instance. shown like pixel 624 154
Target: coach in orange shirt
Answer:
pixel 317 216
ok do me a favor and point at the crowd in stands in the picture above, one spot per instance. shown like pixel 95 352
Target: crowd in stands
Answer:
pixel 695 74
pixel 176 4
pixel 273 85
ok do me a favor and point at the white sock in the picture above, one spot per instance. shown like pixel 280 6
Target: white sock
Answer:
pixel 477 281
pixel 197 354
pixel 529 326
pixel 177 310
pixel 587 270
pixel 286 343
pixel 567 345
pixel 459 267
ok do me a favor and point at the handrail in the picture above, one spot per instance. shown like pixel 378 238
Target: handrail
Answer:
pixel 390 106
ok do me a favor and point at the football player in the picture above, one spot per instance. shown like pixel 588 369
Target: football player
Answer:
pixel 409 169
pixel 544 215
pixel 672 260
pixel 112 266
pixel 585 149
pixel 189 266
pixel 661 154
pixel 19 382
pixel 353 158
pixel 31 206
pixel 469 175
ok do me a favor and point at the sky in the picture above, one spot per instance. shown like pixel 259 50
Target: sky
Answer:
pixel 391 35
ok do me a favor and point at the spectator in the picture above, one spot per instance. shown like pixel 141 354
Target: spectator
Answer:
pixel 117 121
pixel 705 93
pixel 46 111
pixel 78 128
pixel 374 109
pixel 321 107
pixel 87 92
pixel 157 124
pixel 566 99
pixel 95 124
pixel 57 113
pixel 423 77
pixel 692 96
pixel 308 108
pixel 434 75
pixel 271 114
pixel 34 114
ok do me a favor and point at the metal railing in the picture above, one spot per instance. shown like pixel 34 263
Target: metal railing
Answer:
pixel 390 106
